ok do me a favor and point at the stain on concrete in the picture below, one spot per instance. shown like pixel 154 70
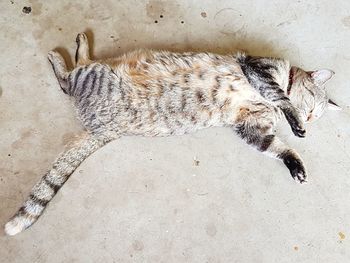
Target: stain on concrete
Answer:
pixel 43 24
pixel 229 21
pixel 99 10
pixel 210 229
pixel 346 21
pixel 341 235
pixel 137 245
pixel 196 161
pixel 47 24
pixel 24 137
pixel 68 138
pixel 284 23
pixel 27 9
pixel 149 185
pixel 296 248
pixel 36 7
pixel 288 21
pixel 157 9
pixel 154 8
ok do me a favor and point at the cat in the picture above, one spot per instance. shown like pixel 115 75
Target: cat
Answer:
pixel 160 93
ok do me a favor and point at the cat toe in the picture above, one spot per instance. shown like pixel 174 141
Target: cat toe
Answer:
pixel 301 178
pixel 81 37
pixel 295 166
pixel 299 175
pixel 299 132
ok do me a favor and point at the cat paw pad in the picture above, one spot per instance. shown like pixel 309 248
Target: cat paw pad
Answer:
pixel 295 166
pixel 299 176
pixel 299 131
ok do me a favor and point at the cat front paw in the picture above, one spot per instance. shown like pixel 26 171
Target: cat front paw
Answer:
pixel 299 131
pixel 295 165
pixel 295 121
pixel 299 174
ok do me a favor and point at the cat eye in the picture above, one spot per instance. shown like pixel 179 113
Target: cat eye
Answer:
pixel 309 73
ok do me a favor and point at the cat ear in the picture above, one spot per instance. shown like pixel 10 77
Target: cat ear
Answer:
pixel 321 76
pixel 332 105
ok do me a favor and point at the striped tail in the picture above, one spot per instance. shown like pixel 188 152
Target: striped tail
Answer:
pixel 52 181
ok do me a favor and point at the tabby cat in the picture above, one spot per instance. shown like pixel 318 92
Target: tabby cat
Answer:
pixel 160 93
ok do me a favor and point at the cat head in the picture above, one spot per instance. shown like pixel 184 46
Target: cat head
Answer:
pixel 308 93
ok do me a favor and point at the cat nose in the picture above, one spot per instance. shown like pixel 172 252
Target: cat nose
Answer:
pixel 309 118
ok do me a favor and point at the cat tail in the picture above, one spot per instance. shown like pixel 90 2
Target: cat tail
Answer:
pixel 60 68
pixel 52 181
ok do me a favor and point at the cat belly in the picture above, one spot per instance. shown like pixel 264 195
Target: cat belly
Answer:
pixel 153 116
pixel 131 104
pixel 142 120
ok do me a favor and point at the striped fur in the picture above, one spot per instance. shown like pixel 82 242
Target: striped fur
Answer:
pixel 52 181
pixel 159 93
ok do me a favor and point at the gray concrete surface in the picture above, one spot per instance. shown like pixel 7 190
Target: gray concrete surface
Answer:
pixel 144 199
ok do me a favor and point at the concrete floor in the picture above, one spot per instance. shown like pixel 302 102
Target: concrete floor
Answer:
pixel 159 204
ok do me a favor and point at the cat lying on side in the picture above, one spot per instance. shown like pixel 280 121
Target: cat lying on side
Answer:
pixel 160 93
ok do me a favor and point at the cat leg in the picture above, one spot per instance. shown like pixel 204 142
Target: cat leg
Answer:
pixel 262 73
pixel 60 69
pixel 293 117
pixel 43 192
pixel 272 146
pixel 82 56
pixel 277 97
pixel 256 129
